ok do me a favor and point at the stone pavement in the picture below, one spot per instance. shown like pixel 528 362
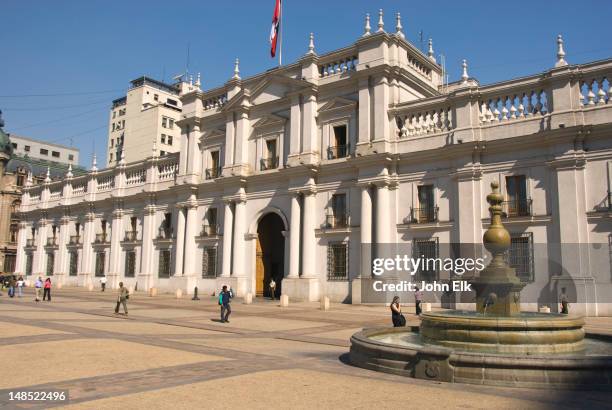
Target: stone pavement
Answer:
pixel 175 353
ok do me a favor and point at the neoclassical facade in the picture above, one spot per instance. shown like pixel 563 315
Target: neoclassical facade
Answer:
pixel 287 174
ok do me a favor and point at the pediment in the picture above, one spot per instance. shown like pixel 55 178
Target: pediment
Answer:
pixel 275 87
pixel 270 120
pixel 338 103
pixel 214 133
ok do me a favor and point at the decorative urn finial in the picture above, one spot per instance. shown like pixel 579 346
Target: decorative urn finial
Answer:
pixel 367 28
pixel 311 46
pixel 236 69
pixel 464 75
pixel 560 53
pixel 398 26
pixel 381 23
pixel 430 51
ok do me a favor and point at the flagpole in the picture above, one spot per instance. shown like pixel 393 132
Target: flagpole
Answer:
pixel 280 35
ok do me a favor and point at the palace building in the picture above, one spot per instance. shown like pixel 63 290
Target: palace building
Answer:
pixel 292 173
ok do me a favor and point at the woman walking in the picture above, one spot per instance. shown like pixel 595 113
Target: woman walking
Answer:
pixel 396 313
pixel 20 283
pixel 47 290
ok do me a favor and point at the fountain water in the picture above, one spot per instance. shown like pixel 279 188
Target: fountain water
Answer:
pixel 498 344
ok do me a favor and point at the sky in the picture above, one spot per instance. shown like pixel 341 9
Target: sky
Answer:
pixel 62 62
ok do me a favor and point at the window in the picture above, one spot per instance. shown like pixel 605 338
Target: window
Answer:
pixel 339 146
pixel 110 157
pixel 209 262
pixel 270 160
pixel 520 256
pixel 100 260
pixel 20 180
pixel 29 263
pixel 517 203
pixel 74 259
pixel 14 145
pixel 162 153
pixel 163 138
pixel 55 154
pixel 13 233
pixel 172 102
pixel 114 114
pixel 112 143
pixel 170 123
pixel 210 222
pixel 164 263
pixel 338 217
pixel 156 97
pixel 426 211
pixel 50 263
pixel 26 148
pixel 9 263
pixel 44 151
pixel 165 122
pixel 337 261
pixel 70 157
pixel 114 126
pixel 169 139
pixel 165 230
pixel 428 251
pixel 130 264
pixel 214 170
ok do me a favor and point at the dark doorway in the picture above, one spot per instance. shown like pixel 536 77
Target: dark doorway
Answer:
pixel 270 262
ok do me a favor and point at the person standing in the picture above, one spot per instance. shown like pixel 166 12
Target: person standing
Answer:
pixel 272 288
pixel 12 286
pixel 47 290
pixel 224 300
pixel 564 303
pixel 20 283
pixel 38 288
pixel 418 299
pixel 123 296
pixel 103 283
pixel 397 317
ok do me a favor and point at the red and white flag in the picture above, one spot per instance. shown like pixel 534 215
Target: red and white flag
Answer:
pixel 275 28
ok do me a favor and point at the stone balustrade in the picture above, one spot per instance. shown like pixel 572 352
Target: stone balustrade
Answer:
pixel 105 182
pixel 136 176
pixel 338 65
pixel 514 104
pixel 168 169
pixel 214 99
pixel 433 119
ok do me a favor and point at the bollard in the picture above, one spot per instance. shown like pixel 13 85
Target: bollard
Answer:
pixel 153 292
pixel 136 287
pixel 179 293
pixel 325 303
pixel 284 301
pixel 248 298
pixel 195 294
pixel 427 307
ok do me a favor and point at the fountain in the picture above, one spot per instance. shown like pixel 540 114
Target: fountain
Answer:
pixel 496 345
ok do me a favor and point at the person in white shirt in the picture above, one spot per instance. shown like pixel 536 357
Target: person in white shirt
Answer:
pixel 103 283
pixel 20 284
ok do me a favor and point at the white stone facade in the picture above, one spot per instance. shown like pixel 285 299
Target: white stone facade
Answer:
pixel 372 121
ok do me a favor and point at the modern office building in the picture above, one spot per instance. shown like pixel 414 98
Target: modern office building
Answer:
pixel 45 151
pixel 291 173
pixel 145 120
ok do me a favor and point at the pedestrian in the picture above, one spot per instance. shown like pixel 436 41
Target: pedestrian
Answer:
pixel 397 317
pixel 38 287
pixel 564 303
pixel 272 288
pixel 418 299
pixel 122 297
pixel 20 284
pixel 11 287
pixel 103 283
pixel 47 290
pixel 224 301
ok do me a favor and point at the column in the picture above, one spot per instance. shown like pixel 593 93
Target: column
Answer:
pixel 180 242
pixel 194 157
pixel 227 239
pixel 308 236
pixel 239 231
pixel 294 237
pixel 39 256
pixel 230 131
pixel 117 232
pixel 309 134
pixel 148 234
pixel 382 213
pixel 295 126
pixel 190 244
pixel 241 155
pixel 21 243
pixel 366 215
pixel 364 111
pixel 381 108
pixel 64 237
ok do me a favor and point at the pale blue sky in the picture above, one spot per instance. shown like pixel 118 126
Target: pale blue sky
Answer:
pixel 62 61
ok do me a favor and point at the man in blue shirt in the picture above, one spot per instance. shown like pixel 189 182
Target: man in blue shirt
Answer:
pixel 38 288
pixel 224 301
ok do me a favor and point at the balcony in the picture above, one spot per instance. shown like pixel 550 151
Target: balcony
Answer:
pixel 339 151
pixel 269 163
pixel 131 236
pixel 337 221
pixel 516 208
pixel 164 233
pixel 212 173
pixel 209 230
pixel 75 239
pixel 101 238
pixel 30 243
pixel 52 241
pixel 424 215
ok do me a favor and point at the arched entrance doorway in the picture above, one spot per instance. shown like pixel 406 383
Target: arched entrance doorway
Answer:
pixel 270 254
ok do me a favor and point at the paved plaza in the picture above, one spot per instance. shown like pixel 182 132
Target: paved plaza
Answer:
pixel 175 354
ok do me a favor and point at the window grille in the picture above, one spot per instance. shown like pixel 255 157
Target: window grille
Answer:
pixel 209 262
pixel 100 259
pixel 520 256
pixel 130 264
pixel 164 264
pixel 428 251
pixel 337 261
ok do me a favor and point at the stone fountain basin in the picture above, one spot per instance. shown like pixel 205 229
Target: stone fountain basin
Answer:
pixel 402 351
